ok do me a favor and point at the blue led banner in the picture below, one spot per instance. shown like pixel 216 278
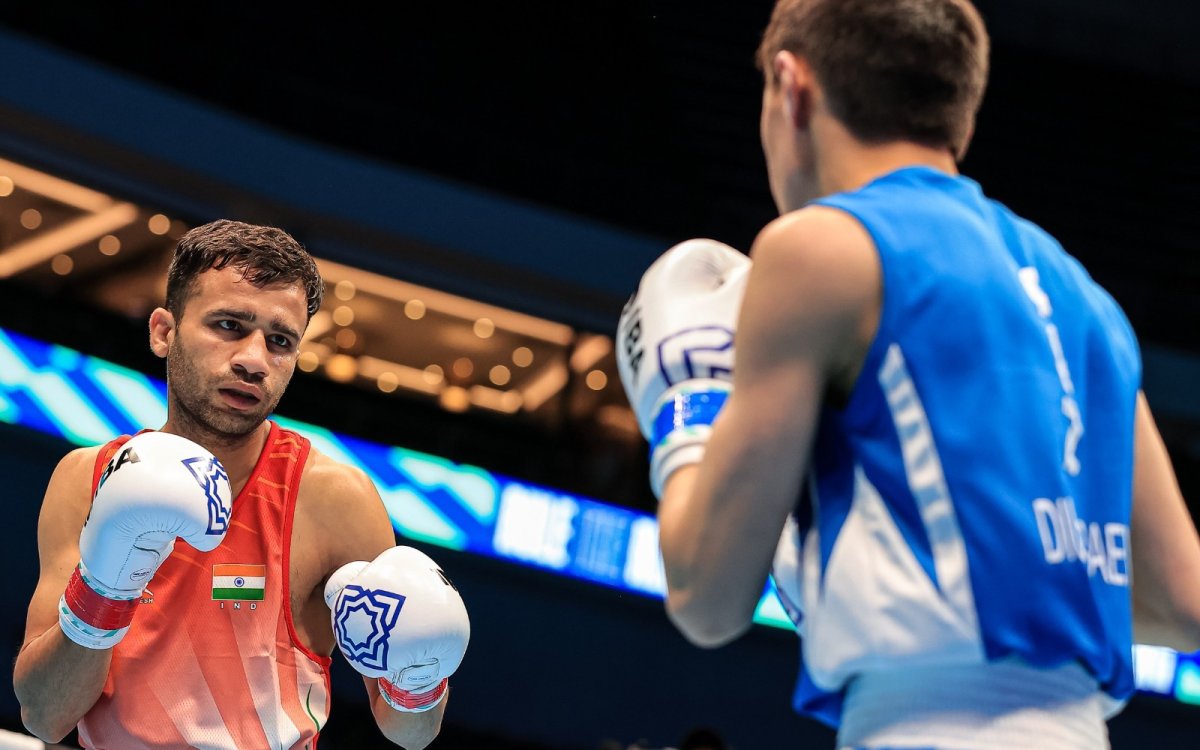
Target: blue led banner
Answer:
pixel 88 401
pixel 1168 673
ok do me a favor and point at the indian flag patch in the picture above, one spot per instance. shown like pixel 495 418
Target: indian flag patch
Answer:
pixel 240 582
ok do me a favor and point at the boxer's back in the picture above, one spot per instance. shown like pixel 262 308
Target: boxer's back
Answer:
pixel 972 496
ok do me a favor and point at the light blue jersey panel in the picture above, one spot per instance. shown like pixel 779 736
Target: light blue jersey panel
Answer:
pixel 972 500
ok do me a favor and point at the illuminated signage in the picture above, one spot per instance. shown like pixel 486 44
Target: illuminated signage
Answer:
pixel 88 401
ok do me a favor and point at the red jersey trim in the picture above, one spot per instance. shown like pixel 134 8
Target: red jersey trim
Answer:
pixel 102 457
pixel 289 515
pixel 261 464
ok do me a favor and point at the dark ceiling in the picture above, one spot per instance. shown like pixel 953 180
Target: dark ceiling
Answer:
pixel 643 114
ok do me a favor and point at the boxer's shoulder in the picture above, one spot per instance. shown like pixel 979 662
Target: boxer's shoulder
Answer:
pixel 816 288
pixel 815 236
pixel 80 459
pixel 331 486
pixel 68 498
pixel 341 507
pixel 72 476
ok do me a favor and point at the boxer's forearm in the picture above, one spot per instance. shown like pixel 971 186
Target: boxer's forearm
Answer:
pixel 412 731
pixel 57 681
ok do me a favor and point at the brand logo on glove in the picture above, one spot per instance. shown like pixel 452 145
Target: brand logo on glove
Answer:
pixel 363 622
pixel 445 579
pixel 631 335
pixel 127 456
pixel 705 352
pixel 210 474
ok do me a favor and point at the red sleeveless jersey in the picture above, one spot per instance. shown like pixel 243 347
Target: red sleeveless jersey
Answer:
pixel 212 659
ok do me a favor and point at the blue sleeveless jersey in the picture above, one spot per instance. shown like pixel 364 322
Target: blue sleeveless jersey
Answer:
pixel 971 499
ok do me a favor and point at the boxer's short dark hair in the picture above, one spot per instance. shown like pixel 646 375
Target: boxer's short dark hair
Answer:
pixel 264 255
pixel 891 69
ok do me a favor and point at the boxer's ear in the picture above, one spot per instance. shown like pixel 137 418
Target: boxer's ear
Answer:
pixel 797 87
pixel 162 331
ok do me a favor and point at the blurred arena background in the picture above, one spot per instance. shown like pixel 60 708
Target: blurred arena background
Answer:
pixel 484 184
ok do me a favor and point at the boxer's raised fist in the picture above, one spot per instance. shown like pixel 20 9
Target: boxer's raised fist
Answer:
pixel 399 619
pixel 156 487
pixel 675 348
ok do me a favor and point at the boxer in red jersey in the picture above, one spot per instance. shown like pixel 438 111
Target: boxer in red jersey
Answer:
pixel 225 641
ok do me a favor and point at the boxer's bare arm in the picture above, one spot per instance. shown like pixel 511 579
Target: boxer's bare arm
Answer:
pixel 1165 546
pixel 355 525
pixel 56 680
pixel 410 731
pixel 810 306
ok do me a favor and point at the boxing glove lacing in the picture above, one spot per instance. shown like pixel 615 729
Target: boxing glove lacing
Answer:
pixel 404 699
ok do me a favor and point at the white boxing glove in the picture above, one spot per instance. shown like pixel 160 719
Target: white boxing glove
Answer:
pixel 675 349
pixel 156 487
pixel 399 619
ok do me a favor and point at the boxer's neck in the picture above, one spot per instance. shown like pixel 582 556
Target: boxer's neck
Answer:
pixel 238 454
pixel 843 162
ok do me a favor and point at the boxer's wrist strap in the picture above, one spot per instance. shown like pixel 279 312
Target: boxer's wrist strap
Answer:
pixel 686 409
pixel 404 700
pixel 96 610
pixel 682 426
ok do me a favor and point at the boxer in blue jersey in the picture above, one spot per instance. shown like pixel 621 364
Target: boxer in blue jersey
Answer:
pixel 931 432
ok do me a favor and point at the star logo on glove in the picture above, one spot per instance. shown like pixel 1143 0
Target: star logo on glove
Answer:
pixel 701 352
pixel 363 622
pixel 209 474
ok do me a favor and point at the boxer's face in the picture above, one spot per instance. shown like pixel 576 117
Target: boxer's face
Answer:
pixel 232 353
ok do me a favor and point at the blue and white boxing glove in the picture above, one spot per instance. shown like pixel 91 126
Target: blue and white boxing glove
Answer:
pixel 675 352
pixel 675 349
pixel 399 619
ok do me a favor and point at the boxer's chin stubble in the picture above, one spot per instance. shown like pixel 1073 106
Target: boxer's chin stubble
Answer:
pixel 198 399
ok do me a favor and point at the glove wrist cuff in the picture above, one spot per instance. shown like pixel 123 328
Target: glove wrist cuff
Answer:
pixel 682 424
pixel 691 404
pixel 411 701
pixel 93 616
